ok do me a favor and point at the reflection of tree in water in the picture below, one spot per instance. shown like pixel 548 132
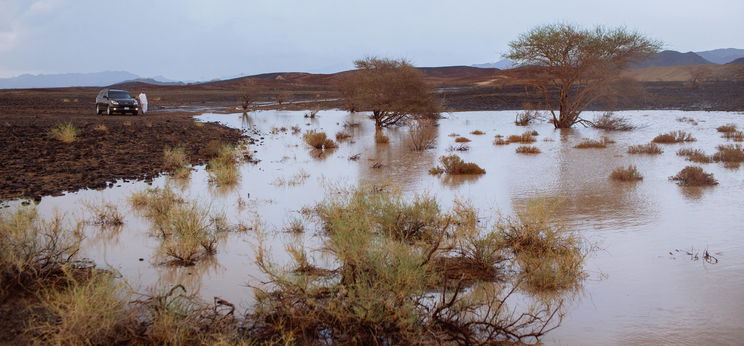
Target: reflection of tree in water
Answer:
pixel 400 164
pixel 580 180
pixel 457 180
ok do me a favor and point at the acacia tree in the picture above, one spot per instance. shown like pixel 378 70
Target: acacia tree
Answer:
pixel 577 66
pixel 393 90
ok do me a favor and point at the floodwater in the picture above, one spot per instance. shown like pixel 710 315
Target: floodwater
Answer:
pixel 640 289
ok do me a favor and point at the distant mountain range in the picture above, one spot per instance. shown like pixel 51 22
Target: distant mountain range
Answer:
pixel 664 58
pixel 27 81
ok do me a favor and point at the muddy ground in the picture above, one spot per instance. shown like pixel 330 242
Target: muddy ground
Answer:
pixel 36 165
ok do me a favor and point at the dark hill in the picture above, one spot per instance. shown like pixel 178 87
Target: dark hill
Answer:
pixel 674 58
pixel 739 61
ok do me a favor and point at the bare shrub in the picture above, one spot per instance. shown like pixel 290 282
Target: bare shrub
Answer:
pixel 527 149
pixel 629 173
pixel 694 176
pixel 105 215
pixel 527 117
pixel 458 147
pixel 674 137
pixel 608 121
pixel 453 164
pixel 423 134
pixel 650 149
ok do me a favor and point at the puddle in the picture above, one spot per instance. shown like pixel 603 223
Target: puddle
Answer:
pixel 639 289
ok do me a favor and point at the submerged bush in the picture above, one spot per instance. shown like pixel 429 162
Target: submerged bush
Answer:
pixel 65 132
pixel 319 140
pixel 453 164
pixel 594 144
pixel 629 173
pixel 730 155
pixel 674 137
pixel 727 128
pixel 526 117
pixel 462 140
pixel 694 176
pixel 650 149
pixel 527 149
pixel 695 155
pixel 526 138
pixel 423 134
pixel 608 121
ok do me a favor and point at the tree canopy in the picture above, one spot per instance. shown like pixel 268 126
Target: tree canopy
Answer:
pixel 577 65
pixel 393 90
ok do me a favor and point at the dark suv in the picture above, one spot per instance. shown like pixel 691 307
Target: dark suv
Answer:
pixel 112 100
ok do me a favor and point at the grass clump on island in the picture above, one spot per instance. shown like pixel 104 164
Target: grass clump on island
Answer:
pixel 674 137
pixel 64 132
pixel 649 149
pixel 694 176
pixel 454 165
pixel 629 173
pixel 318 140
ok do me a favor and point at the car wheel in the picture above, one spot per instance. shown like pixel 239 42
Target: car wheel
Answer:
pixel 108 110
pixel 98 110
pixel 135 113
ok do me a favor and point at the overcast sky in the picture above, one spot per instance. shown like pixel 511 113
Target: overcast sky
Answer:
pixel 204 39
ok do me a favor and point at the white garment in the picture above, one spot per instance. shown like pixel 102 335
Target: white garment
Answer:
pixel 143 102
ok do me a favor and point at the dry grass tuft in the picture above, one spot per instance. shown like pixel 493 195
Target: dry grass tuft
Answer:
pixel 319 140
pixel 524 138
pixel 32 251
pixel 695 155
pixel 105 215
pixel 650 149
pixel 88 311
pixel 477 133
pixel 629 173
pixel 500 141
pixel 694 176
pixel 223 168
pixel 453 164
pixel 176 161
pixel 674 137
pixel 594 144
pixel 462 140
pixel 736 136
pixel 65 132
pixel 527 149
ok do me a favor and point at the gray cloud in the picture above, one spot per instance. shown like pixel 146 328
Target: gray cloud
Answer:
pixel 196 39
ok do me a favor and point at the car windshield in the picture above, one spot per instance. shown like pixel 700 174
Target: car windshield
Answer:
pixel 119 95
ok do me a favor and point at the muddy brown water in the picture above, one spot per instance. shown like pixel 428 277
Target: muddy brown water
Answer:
pixel 640 289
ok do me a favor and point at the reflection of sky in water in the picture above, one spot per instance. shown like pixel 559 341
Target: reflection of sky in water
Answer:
pixel 647 296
